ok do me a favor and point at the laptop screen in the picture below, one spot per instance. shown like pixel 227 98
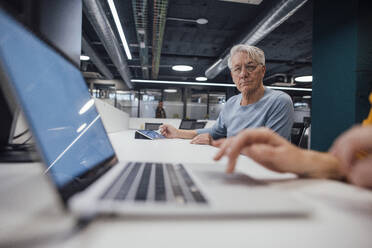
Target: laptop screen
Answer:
pixel 56 102
pixel 187 124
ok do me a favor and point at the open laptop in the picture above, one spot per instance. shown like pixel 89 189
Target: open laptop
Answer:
pixel 199 124
pixel 187 124
pixel 152 126
pixel 80 159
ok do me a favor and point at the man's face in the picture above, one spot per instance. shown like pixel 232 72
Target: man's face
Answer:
pixel 160 104
pixel 246 73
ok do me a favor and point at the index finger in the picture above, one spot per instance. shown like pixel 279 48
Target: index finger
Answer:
pixel 249 137
pixel 223 144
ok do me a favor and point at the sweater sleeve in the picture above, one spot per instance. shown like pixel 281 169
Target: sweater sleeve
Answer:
pixel 218 130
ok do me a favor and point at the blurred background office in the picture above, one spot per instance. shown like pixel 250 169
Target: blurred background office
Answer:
pixel 135 53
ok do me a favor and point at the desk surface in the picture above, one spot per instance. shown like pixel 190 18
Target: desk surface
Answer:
pixel 341 217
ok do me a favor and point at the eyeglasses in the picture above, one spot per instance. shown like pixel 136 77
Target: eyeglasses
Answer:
pixel 248 67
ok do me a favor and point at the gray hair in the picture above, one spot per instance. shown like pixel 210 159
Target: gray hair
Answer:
pixel 253 52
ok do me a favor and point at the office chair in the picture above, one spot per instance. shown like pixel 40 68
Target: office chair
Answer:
pixel 303 142
pixel 297 132
pixel 152 126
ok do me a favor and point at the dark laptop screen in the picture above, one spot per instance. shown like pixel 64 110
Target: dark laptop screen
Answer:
pixel 56 103
pixel 187 124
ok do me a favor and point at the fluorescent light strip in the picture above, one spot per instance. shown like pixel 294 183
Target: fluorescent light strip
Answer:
pixel 288 88
pixel 208 84
pixel 180 83
pixel 120 28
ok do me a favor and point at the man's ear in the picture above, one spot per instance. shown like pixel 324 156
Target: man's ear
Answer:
pixel 264 69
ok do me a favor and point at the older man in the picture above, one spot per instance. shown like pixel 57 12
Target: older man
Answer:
pixel 255 106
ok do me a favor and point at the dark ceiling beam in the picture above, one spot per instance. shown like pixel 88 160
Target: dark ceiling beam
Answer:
pixel 288 62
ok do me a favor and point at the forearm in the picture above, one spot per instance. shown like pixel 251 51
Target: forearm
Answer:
pixel 186 134
pixel 319 165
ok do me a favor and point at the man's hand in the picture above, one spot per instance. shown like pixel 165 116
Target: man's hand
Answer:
pixel 264 146
pixel 202 139
pixel 354 150
pixel 169 131
pixel 276 153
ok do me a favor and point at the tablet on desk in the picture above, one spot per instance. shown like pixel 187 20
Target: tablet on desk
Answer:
pixel 148 134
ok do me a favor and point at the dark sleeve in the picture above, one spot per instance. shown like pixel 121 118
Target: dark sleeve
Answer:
pixel 157 113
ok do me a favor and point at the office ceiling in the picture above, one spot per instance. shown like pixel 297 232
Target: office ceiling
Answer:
pixel 288 48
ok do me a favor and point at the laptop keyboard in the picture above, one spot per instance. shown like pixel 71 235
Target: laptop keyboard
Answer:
pixel 155 182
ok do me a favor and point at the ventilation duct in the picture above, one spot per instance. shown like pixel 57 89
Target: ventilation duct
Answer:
pixel 96 15
pixel 140 14
pixel 88 50
pixel 271 20
pixel 159 19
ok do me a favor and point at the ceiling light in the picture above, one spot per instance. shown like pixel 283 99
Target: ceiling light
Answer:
pixel 304 79
pixel 122 92
pixel 170 90
pixel 182 68
pixel 201 21
pixel 141 31
pixel 180 83
pixel 119 28
pixel 84 58
pixel 306 97
pixel 288 88
pixel 201 79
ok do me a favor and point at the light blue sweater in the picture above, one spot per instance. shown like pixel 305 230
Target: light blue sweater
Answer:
pixel 274 110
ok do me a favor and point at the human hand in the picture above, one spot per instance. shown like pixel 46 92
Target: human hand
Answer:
pixel 354 150
pixel 168 131
pixel 218 143
pixel 265 147
pixel 202 139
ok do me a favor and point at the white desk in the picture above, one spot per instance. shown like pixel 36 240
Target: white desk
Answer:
pixel 342 215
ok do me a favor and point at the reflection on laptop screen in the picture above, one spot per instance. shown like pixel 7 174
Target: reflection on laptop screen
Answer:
pixel 56 102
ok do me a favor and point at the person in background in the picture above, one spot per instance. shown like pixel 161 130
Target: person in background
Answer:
pixel 350 156
pixel 255 106
pixel 160 112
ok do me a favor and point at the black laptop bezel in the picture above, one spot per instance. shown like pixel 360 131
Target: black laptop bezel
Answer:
pixel 184 121
pixel 201 123
pixel 153 124
pixel 87 178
